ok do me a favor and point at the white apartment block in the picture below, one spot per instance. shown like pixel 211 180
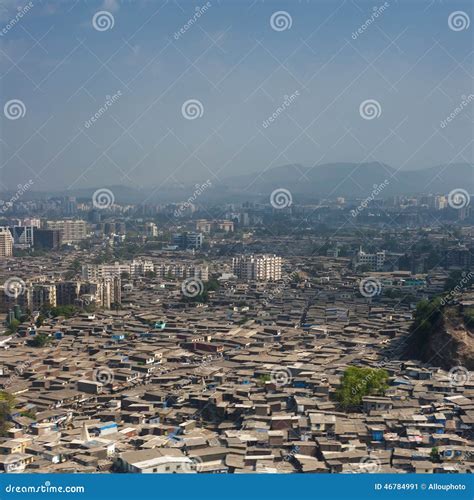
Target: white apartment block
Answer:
pixel 134 268
pixel 6 242
pixel 182 271
pixel 264 267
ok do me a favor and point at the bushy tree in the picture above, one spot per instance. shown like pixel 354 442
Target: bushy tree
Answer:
pixel 359 382
pixel 7 403
pixel 39 340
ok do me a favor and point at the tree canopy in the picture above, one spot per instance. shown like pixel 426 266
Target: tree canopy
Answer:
pixel 359 382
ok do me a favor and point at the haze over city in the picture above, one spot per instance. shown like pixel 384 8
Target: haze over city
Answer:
pixel 241 71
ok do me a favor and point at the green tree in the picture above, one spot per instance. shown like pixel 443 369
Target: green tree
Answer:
pixel 13 326
pixel 434 455
pixel 66 311
pixel 7 403
pixel 359 382
pixel 39 340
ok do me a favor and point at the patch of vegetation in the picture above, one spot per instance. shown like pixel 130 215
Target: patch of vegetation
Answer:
pixel 66 311
pixel 40 340
pixel 428 318
pixel 7 403
pixel 359 382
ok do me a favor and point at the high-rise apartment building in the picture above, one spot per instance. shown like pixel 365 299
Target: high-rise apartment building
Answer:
pixel 264 267
pixel 6 242
pixel 151 230
pixel 41 294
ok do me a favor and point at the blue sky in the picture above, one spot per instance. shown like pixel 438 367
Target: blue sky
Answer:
pixel 240 69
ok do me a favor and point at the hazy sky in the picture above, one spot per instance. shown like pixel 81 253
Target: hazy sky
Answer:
pixel 413 59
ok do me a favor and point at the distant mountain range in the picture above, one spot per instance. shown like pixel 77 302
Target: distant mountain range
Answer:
pixel 354 180
pixel 327 181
